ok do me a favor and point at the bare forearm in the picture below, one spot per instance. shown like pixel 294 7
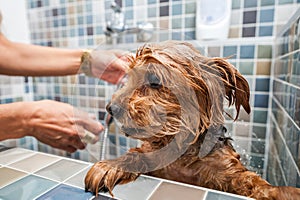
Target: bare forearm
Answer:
pixel 33 60
pixel 12 121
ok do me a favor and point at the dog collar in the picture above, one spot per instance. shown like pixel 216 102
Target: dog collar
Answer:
pixel 213 138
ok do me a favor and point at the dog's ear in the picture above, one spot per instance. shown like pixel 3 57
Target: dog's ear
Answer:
pixel 236 86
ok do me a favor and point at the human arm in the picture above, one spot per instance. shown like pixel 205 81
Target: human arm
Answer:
pixel 54 123
pixel 33 60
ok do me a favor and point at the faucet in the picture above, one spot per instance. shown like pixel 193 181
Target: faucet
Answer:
pixel 117 26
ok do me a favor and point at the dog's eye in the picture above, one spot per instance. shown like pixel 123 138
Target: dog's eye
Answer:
pixel 153 81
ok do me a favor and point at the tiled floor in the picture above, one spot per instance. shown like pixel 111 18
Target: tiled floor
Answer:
pixel 31 175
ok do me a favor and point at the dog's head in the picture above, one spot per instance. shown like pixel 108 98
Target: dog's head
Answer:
pixel 173 89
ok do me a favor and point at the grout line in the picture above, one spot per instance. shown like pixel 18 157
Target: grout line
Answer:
pixel 149 196
pixel 283 140
pixel 287 83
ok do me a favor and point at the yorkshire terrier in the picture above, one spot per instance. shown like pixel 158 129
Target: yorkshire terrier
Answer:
pixel 173 102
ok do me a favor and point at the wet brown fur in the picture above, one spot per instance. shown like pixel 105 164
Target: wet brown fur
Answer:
pixel 177 114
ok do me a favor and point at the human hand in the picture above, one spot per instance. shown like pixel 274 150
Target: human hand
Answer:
pixel 60 125
pixel 109 65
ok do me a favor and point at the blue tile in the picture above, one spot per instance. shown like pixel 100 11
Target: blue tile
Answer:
pixel 236 4
pixel 122 141
pixel 267 15
pixel 128 3
pixel 267 2
pixel 55 23
pixel 262 84
pixel 250 3
pixel 285 2
pixel 261 100
pixel 189 22
pixel 64 192
pixel 152 1
pixel 80 31
pixel 90 41
pixel 129 14
pixel 260 116
pixel 72 32
pixel 265 30
pixel 80 20
pixel 26 188
pixel 63 22
pixel 89 19
pixel 176 36
pixel 230 51
pixel 177 9
pixel 247 51
pixel 189 35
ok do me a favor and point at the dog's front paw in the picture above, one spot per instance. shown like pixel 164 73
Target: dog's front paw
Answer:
pixel 103 176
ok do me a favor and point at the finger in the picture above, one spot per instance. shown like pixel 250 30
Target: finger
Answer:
pixel 69 149
pixel 83 119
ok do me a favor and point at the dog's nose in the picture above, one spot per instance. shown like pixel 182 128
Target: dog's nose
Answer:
pixel 114 109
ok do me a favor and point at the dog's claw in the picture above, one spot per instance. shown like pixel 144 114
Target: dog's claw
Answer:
pixel 103 177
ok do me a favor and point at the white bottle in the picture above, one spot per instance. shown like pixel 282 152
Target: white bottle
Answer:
pixel 212 19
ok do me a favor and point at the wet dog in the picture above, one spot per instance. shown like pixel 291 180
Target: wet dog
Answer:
pixel 173 102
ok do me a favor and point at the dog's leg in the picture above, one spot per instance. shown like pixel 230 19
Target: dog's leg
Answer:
pixel 105 175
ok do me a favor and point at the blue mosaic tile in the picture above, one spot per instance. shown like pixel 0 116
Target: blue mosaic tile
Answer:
pixel 236 4
pixel 152 1
pixel 247 51
pixel 176 9
pixel 190 8
pixel 189 22
pixel 64 192
pixel 80 31
pixel 189 35
pixel 89 19
pixel 129 14
pixel 250 3
pixel 230 51
pixel 26 188
pixel 80 19
pixel 285 1
pixel 128 3
pixel 267 2
pixel 262 84
pixel 261 101
pixel 267 15
pixel 265 31
pixel 260 116
pixel 176 24
pixel 176 36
